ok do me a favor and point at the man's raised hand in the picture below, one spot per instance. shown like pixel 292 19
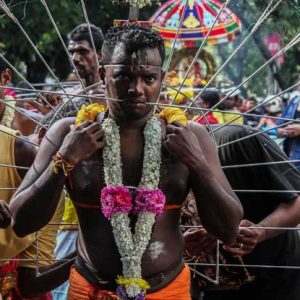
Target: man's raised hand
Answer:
pixel 82 141
pixel 182 143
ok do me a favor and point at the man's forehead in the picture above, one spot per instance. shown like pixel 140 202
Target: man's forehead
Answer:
pixel 141 57
pixel 83 44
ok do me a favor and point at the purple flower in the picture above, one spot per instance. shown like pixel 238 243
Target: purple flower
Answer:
pixel 115 199
pixel 152 200
pixel 140 296
pixel 121 292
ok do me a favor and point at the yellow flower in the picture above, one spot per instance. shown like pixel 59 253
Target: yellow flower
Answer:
pixel 140 282
pixel 89 113
pixel 173 114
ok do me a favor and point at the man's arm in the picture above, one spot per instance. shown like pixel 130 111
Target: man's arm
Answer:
pixel 35 201
pixel 51 277
pixel 218 207
pixel 285 215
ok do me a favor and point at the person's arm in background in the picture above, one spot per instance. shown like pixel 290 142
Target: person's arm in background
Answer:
pixel 290 130
pixel 50 277
pixel 22 123
pixel 285 215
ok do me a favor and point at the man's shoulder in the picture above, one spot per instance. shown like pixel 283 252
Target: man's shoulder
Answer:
pixel 60 129
pixel 62 124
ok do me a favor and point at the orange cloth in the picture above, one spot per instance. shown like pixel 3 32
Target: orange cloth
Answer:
pixel 178 289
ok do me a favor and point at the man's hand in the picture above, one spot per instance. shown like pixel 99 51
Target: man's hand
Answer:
pixel 82 141
pixel 182 143
pixel 281 132
pixel 5 217
pixel 198 240
pixel 45 106
pixel 247 239
pixel 292 130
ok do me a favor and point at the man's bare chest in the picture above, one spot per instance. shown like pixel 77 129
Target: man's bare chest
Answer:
pixel 88 177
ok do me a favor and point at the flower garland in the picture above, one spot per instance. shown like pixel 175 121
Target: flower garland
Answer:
pixel 116 200
pixel 116 204
pixel 89 113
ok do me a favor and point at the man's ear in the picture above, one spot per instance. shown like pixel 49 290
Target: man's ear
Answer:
pixel 6 76
pixel 163 73
pixel 101 72
pixel 41 134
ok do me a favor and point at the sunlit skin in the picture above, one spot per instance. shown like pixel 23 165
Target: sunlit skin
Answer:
pixel 134 80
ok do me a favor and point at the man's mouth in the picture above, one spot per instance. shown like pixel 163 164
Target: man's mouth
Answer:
pixel 134 103
pixel 79 68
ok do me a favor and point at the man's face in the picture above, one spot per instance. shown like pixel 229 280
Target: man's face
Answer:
pixel 250 104
pixel 83 57
pixel 201 103
pixel 135 79
pixel 230 103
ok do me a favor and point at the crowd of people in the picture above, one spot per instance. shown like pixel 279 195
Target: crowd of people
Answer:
pixel 102 197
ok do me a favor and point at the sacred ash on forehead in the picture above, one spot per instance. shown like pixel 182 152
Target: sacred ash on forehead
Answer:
pixel 139 58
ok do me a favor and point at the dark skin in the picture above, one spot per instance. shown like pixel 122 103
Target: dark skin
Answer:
pixel 53 275
pixel 22 123
pixel 187 168
pixel 83 57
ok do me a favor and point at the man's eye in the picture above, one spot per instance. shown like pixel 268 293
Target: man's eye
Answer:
pixel 150 79
pixel 123 76
pixel 82 52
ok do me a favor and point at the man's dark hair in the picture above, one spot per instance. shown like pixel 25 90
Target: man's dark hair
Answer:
pixel 81 33
pixel 134 37
pixel 211 97
pixel 252 98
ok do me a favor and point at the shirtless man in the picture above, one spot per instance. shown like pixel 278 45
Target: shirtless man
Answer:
pixel 132 58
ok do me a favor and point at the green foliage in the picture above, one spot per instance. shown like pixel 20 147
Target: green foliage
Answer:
pixel 68 14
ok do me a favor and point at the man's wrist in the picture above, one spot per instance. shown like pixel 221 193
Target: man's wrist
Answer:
pixel 60 163
pixel 196 164
pixel 262 233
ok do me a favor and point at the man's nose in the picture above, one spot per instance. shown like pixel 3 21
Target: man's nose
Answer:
pixel 136 87
pixel 75 57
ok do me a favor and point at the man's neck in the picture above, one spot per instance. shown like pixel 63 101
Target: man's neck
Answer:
pixel 92 79
pixel 138 124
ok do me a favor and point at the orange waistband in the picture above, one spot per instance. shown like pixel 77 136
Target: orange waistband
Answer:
pixel 95 206
pixel 178 289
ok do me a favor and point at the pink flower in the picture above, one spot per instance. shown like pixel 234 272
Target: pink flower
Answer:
pixel 115 199
pixel 152 200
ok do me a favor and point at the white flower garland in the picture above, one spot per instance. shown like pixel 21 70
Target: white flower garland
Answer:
pixel 132 247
